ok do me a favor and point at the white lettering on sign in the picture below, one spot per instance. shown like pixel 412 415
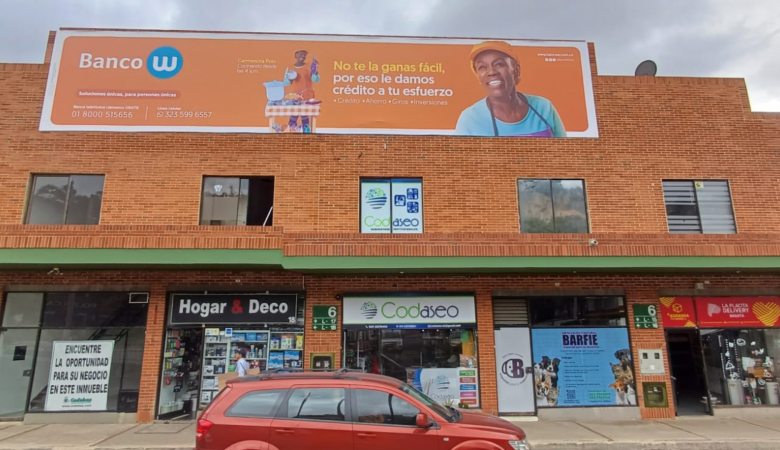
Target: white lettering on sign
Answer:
pixel 264 308
pixel 87 61
pixel 203 309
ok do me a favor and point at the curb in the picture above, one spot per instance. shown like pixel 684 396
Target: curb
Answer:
pixel 676 445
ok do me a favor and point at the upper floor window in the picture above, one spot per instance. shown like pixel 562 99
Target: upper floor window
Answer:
pixel 65 199
pixel 391 205
pixel 699 207
pixel 237 201
pixel 552 206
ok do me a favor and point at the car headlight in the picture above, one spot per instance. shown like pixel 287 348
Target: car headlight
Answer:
pixel 520 445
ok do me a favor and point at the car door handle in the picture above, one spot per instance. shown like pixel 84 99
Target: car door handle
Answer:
pixel 366 435
pixel 285 432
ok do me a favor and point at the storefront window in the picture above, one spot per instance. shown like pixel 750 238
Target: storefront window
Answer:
pixel 581 352
pixel 125 368
pixel 92 309
pixel 73 351
pixel 578 312
pixel 428 342
pixel 205 333
pixel 741 366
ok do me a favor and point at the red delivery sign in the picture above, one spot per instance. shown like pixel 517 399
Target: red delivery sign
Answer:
pixel 732 312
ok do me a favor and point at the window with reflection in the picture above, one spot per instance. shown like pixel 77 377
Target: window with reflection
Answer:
pixel 65 199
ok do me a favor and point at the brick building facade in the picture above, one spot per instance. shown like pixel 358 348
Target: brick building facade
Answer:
pixel 148 240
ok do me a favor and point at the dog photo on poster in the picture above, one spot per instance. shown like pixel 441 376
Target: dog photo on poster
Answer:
pixel 583 367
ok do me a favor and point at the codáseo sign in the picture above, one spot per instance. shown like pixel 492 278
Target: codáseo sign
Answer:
pixel 391 311
pixel 204 309
pixel 372 221
pixel 406 223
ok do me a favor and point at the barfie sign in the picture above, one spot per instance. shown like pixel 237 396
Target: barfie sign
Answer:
pixel 79 376
pixel 147 81
pixel 233 308
pixel 409 312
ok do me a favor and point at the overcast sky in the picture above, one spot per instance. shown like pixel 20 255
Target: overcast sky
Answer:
pixel 734 38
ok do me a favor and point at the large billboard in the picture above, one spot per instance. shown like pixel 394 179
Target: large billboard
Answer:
pixel 137 81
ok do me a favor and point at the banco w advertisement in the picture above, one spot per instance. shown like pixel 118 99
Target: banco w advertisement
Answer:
pixel 134 81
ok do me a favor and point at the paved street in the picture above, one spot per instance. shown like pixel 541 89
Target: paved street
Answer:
pixel 688 434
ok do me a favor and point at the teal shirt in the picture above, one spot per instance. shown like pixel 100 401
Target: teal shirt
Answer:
pixel 475 121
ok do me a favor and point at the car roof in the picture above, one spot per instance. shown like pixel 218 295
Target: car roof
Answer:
pixel 291 377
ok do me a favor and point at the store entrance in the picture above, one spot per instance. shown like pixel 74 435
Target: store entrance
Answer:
pixel 687 365
pixel 180 383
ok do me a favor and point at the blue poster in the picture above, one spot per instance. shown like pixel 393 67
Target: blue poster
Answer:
pixel 583 367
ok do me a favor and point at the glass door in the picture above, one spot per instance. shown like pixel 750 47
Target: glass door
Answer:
pixel 17 353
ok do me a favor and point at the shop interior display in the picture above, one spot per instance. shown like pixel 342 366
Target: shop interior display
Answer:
pixel 741 366
pixel 397 352
pixel 181 372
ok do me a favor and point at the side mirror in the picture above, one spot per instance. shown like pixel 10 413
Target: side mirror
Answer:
pixel 423 421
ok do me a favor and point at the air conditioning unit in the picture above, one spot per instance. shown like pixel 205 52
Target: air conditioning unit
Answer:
pixel 139 297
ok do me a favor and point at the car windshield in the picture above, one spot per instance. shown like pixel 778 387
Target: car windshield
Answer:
pixel 450 415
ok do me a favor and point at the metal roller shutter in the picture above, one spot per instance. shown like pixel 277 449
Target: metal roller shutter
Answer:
pixel 510 312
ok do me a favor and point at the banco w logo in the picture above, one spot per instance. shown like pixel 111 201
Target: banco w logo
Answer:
pixel 164 62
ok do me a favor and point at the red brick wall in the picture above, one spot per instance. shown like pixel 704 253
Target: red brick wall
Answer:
pixel 322 290
pixel 651 129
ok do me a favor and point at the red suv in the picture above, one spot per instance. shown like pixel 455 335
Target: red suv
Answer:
pixel 343 411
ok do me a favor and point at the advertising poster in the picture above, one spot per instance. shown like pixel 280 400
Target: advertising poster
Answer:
pixel 456 385
pixel 583 367
pixel 407 206
pixel 409 312
pixel 678 312
pixel 375 210
pixel 717 312
pixel 391 206
pixel 79 375
pixel 515 381
pixel 134 81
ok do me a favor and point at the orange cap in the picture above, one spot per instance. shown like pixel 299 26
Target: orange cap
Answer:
pixel 498 46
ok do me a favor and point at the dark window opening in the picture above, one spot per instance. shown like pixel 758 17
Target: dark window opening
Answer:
pixel 578 312
pixel 237 201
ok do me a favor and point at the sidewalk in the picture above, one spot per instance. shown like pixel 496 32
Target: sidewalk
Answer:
pixel 688 434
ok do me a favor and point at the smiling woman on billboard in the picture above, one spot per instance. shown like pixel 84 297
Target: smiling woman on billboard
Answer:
pixel 505 111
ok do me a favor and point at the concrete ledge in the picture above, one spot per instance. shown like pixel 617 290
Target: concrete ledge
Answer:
pixel 590 414
pixel 748 413
pixel 81 418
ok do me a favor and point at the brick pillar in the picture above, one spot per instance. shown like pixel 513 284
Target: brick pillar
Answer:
pixel 486 343
pixel 150 372
pixel 321 292
pixel 649 339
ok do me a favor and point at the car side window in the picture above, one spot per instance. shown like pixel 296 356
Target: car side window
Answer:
pixel 379 407
pixel 317 404
pixel 257 404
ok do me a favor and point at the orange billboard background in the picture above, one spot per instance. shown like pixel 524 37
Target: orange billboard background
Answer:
pixel 220 84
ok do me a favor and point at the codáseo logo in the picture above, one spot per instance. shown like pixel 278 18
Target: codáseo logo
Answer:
pixel 376 198
pixel 406 222
pixel 368 309
pixel 442 383
pixel 163 62
pixel 372 221
pixel 391 311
